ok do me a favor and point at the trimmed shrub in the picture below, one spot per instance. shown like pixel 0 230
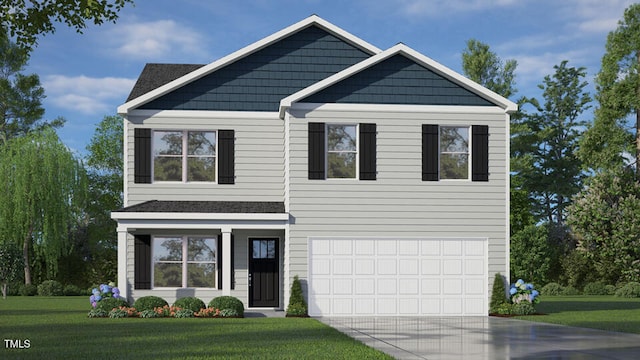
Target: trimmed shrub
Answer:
pixel 28 290
pixel 595 288
pixel 149 303
pixel 629 290
pixel 297 304
pixel 503 309
pixel 50 288
pixel 72 290
pixel 611 289
pixel 570 291
pixel 523 308
pixel 108 304
pixel 553 289
pixel 498 294
pixel 227 302
pixel 192 303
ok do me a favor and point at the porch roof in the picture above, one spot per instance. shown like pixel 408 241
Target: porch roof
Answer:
pixel 226 207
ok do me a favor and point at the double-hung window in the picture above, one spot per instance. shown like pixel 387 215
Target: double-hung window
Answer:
pixel 342 151
pixel 184 156
pixel 185 262
pixel 454 153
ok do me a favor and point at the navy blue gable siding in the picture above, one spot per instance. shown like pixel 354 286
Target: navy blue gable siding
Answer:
pixel 397 80
pixel 260 80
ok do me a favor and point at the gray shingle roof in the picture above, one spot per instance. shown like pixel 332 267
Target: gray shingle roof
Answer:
pixel 239 207
pixel 155 75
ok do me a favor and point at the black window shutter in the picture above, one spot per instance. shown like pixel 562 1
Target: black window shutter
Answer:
pixel 142 156
pixel 226 157
pixel 367 151
pixel 142 262
pixel 316 151
pixel 480 153
pixel 219 260
pixel 430 153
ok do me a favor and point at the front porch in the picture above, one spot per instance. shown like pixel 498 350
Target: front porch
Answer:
pixel 204 249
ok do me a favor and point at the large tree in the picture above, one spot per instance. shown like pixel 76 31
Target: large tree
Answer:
pixel 105 165
pixel 614 132
pixel 485 67
pixel 21 95
pixel 552 171
pixel 26 20
pixel 41 195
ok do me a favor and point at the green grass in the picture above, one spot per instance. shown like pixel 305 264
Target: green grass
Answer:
pixel 58 327
pixel 597 312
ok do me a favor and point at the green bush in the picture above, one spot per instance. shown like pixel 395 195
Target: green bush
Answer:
pixel 229 313
pixel 149 303
pixel 227 302
pixel 72 290
pixel 98 313
pixel 28 290
pixel 108 304
pixel 595 288
pixel 498 294
pixel 184 313
pixel 552 289
pixel 192 303
pixel 629 290
pixel 297 304
pixel 503 309
pixel 611 289
pixel 50 288
pixel 570 291
pixel 523 308
pixel 149 314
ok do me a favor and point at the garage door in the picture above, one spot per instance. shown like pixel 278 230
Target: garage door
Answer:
pixel 397 277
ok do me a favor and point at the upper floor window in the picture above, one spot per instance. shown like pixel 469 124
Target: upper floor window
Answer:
pixel 454 153
pixel 185 156
pixel 186 261
pixel 342 151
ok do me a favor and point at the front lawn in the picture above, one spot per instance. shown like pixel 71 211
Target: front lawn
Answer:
pixel 597 312
pixel 58 328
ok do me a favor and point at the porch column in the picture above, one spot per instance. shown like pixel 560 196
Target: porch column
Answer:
pixel 226 261
pixel 122 263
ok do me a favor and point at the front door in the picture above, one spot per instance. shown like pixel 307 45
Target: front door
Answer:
pixel 263 273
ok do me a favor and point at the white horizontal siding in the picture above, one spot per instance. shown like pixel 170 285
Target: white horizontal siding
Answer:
pixel 259 159
pixel 398 203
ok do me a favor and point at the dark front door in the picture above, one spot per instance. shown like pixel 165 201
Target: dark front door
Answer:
pixel 263 273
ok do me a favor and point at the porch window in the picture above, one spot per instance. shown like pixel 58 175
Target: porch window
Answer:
pixel 185 262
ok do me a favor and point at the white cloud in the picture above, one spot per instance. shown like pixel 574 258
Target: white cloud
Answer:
pixel 437 7
pixel 159 39
pixel 87 95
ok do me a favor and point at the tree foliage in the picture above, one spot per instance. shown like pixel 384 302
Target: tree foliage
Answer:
pixel 535 254
pixel 618 93
pixel 21 95
pixel 40 198
pixel 549 166
pixel 26 20
pixel 10 265
pixel 605 218
pixel 483 66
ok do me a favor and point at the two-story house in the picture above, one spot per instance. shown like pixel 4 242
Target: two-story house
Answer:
pixel 380 178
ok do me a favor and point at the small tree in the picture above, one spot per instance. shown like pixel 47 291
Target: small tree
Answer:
pixel 498 294
pixel 10 265
pixel 297 304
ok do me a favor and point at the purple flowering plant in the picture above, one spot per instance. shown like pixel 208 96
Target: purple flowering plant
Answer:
pixel 521 291
pixel 102 292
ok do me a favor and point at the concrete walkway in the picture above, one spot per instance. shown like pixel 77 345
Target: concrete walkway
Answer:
pixel 485 338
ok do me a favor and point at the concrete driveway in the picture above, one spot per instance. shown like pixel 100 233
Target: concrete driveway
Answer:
pixel 484 338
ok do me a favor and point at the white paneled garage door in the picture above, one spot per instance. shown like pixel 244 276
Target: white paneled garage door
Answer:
pixel 397 277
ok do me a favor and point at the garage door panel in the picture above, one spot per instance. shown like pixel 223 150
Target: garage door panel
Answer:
pixel 410 277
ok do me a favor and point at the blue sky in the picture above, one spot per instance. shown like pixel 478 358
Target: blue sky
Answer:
pixel 87 76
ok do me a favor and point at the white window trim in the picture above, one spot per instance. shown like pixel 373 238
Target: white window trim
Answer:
pixel 184 262
pixel 326 151
pixel 468 153
pixel 184 156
